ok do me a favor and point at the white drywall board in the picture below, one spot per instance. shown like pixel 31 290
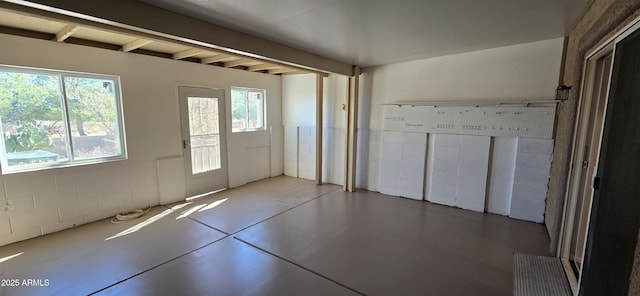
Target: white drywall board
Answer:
pixel 531 176
pixel 291 151
pixel 307 153
pixel 444 158
pixel 172 187
pixel 402 164
pixel 151 115
pixel 333 146
pixel 277 150
pixel 335 89
pixel 414 147
pixel 299 100
pixel 390 162
pixel 458 170
pixel 531 122
pixel 369 158
pixel 502 168
pixel 472 172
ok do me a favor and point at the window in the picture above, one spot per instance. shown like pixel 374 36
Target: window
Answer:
pixel 247 109
pixel 54 119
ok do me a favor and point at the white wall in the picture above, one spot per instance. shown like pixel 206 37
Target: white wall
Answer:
pixel 299 118
pixel 334 121
pixel 525 71
pixel 47 201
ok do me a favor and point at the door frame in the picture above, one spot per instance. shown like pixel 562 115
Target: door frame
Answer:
pixel 577 150
pixel 223 138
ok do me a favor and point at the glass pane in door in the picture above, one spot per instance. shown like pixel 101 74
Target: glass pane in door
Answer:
pixel 204 134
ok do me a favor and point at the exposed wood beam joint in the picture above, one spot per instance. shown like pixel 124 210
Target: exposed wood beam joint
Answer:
pixel 122 16
pixel 214 59
pixel 66 32
pixel 241 62
pixel 135 44
pixel 187 53
pixel 283 70
pixel 263 67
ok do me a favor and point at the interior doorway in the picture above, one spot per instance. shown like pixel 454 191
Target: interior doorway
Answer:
pixel 202 116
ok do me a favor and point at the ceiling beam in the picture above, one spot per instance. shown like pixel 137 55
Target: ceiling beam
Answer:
pixel 135 44
pixel 187 53
pixel 283 70
pixel 125 14
pixel 66 32
pixel 214 59
pixel 241 62
pixel 263 67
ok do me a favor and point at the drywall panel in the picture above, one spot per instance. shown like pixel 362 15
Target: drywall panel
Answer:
pixel 531 176
pixel 171 180
pixel 299 100
pixel 291 151
pixel 458 170
pixel 368 159
pixel 151 115
pixel 307 153
pixel 402 163
pixel 277 150
pixel 414 150
pixel 531 122
pixel 334 95
pixel 502 169
pixel 334 122
pixel 472 172
pixel 333 163
pixel 391 162
pixel 444 160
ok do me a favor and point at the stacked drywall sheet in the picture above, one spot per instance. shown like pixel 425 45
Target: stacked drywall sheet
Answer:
pixel 500 187
pixel 506 173
pixel 531 177
pixel 459 170
pixel 402 164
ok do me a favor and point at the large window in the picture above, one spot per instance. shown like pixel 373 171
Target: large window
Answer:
pixel 53 119
pixel 247 109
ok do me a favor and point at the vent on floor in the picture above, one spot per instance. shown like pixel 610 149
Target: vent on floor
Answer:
pixel 539 275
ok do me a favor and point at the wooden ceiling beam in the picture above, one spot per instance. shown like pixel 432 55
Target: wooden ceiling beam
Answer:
pixel 135 44
pixel 214 59
pixel 283 70
pixel 263 67
pixel 66 32
pixel 241 62
pixel 187 53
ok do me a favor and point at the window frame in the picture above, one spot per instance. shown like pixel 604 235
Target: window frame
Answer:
pixel 71 161
pixel 264 109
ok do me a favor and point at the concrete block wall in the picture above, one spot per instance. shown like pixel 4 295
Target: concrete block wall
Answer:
pixel 39 203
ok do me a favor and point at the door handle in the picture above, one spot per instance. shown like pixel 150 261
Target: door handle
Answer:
pixel 185 144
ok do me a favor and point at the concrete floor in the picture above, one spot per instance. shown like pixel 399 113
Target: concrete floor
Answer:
pixel 281 236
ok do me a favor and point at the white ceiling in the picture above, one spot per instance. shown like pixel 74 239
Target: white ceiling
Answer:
pixel 377 32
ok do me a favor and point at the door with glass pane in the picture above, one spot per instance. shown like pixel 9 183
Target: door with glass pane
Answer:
pixel 203 139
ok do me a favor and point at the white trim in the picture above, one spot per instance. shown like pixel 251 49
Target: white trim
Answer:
pixel 68 137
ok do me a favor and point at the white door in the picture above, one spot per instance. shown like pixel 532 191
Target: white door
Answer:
pixel 203 139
